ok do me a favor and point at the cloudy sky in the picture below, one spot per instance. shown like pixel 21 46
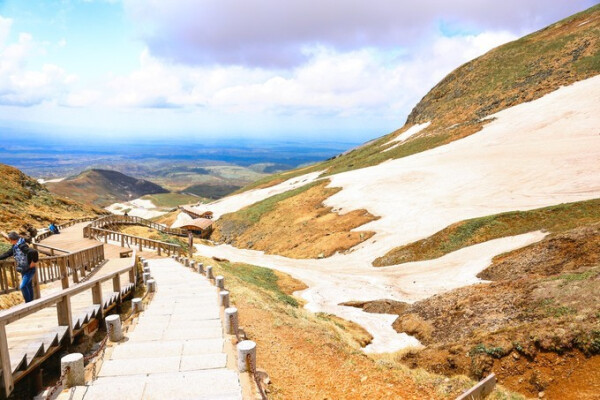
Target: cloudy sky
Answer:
pixel 328 70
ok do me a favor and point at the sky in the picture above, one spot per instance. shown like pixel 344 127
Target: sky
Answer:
pixel 327 70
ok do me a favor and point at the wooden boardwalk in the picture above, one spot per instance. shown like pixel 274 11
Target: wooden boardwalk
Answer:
pixel 36 336
pixel 175 350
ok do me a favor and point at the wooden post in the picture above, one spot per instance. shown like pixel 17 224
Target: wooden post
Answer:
pixel 191 243
pixel 97 294
pixel 117 284
pixel 132 275
pixel 64 273
pixel 7 375
pixel 36 285
pixel 73 267
pixel 63 312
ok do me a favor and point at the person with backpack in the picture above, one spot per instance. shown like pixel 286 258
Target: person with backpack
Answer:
pixel 53 228
pixel 26 259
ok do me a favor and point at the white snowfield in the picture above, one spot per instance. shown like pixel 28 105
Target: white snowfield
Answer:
pixel 532 155
pixel 413 130
pixel 137 208
pixel 239 201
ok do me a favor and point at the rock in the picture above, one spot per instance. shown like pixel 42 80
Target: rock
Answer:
pixel 541 395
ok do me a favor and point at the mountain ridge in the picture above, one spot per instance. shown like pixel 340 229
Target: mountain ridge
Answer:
pixel 103 187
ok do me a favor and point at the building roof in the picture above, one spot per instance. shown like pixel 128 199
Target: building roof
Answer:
pixel 195 224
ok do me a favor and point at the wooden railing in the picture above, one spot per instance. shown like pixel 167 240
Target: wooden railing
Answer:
pixel 78 265
pixel 131 241
pixel 46 233
pixel 64 314
pixel 48 250
pixel 112 220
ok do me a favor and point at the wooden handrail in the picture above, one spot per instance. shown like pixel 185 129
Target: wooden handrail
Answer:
pixel 129 220
pixel 64 315
pixel 46 233
pixel 131 240
pixel 78 265
pixel 22 310
pixel 49 250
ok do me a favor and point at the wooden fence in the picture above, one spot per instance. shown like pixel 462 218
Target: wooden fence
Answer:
pixel 78 265
pixel 65 318
pixel 46 233
pixel 112 220
pixel 131 241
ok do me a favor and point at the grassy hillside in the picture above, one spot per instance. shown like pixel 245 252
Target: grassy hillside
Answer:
pixel 210 191
pixel 294 224
pixel 517 72
pixel 24 201
pixel 478 230
pixel 536 326
pixel 169 200
pixel 317 356
pixel 103 187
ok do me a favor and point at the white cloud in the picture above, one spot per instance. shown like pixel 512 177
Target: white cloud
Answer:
pixel 272 33
pixel 5 25
pixel 21 86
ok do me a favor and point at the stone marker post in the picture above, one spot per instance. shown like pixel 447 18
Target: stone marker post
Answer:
pixel 76 374
pixel 246 356
pixel 224 298
pixel 220 282
pixel 151 285
pixel 137 305
pixel 113 326
pixel 231 321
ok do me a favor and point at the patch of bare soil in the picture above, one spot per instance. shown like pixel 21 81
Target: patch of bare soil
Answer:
pixel 298 227
pixel 307 361
pixel 537 327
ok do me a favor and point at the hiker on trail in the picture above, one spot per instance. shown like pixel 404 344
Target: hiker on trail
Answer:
pixel 26 259
pixel 53 228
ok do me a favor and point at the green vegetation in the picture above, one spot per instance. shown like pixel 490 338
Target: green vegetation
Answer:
pixel 555 219
pixel 582 276
pixel 4 247
pixel 174 240
pixel 211 191
pixel 259 277
pixel 491 351
pixel 170 199
pixel 252 214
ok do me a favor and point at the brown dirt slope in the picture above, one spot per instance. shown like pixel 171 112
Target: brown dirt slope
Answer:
pixel 295 225
pixel 317 356
pixel 536 326
pixel 24 201
pixel 554 219
pixel 517 72
pixel 104 187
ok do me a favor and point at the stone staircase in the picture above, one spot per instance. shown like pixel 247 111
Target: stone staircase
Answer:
pixel 175 349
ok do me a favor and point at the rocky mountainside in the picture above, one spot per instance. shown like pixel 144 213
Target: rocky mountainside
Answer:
pixel 24 201
pixel 103 187
pixel 494 177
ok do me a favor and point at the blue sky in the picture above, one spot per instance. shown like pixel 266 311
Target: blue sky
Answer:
pixel 344 70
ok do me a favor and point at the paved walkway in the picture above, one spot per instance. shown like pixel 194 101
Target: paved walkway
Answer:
pixel 176 348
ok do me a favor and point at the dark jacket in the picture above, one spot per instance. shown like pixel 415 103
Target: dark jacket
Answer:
pixel 24 256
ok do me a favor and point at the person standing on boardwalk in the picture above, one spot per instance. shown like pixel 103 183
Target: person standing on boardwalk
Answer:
pixel 26 259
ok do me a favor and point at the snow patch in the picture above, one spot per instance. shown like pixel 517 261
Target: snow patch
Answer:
pixel 413 130
pixel 236 202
